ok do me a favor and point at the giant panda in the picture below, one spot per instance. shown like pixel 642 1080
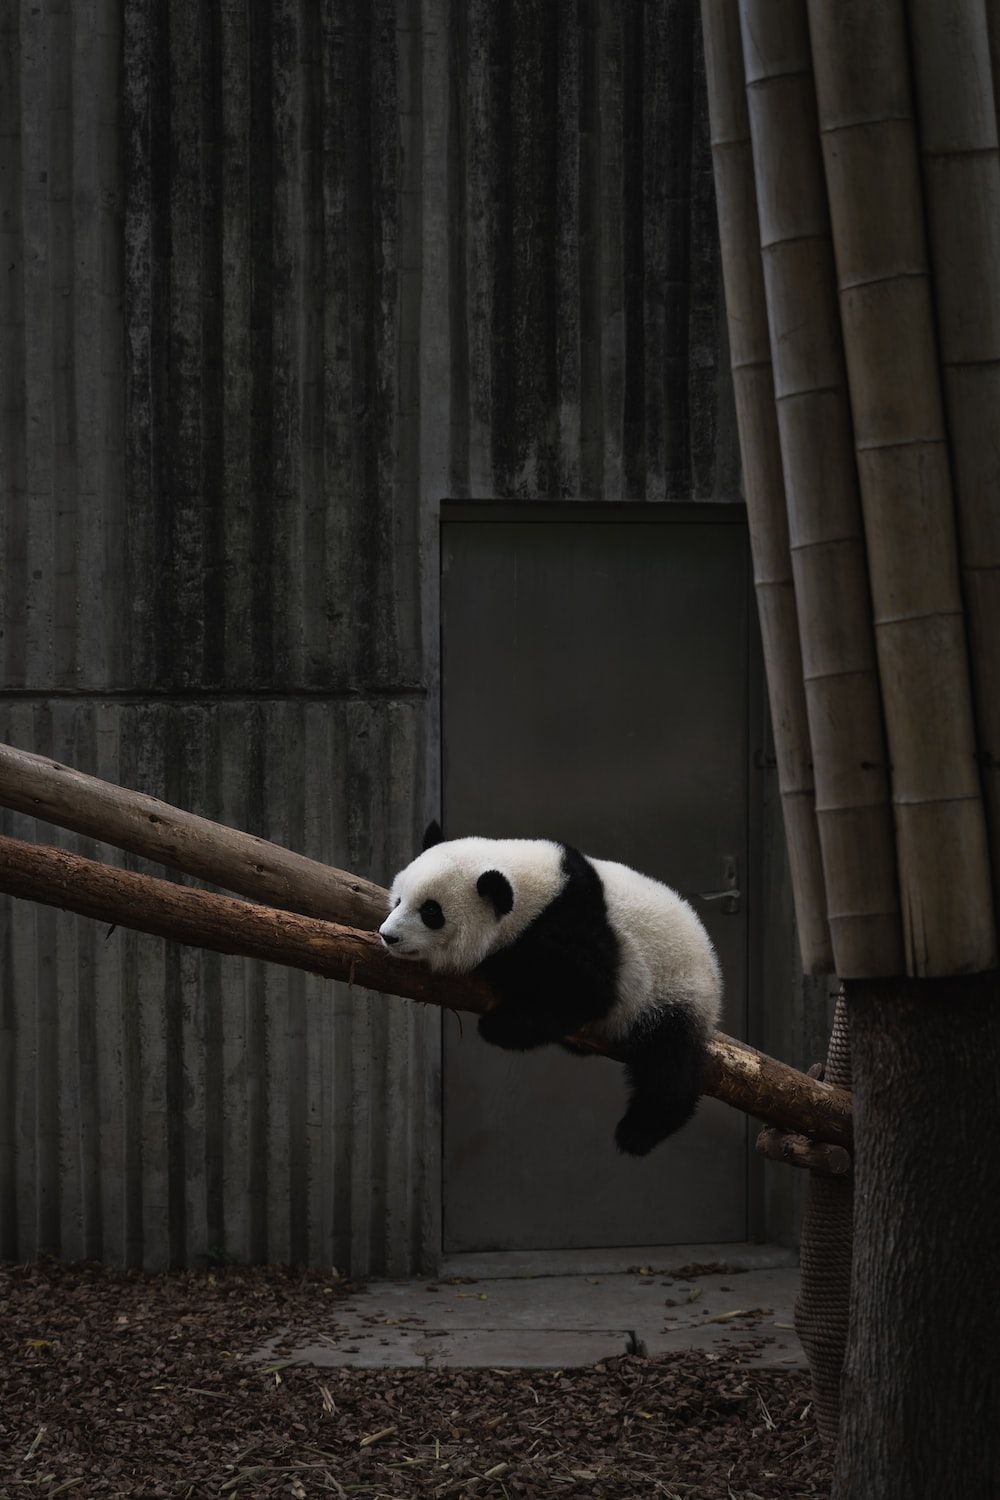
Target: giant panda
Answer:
pixel 566 941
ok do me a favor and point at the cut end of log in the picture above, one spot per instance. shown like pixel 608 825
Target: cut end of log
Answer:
pixel 801 1151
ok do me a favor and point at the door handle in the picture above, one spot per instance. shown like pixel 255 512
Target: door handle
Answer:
pixel 730 897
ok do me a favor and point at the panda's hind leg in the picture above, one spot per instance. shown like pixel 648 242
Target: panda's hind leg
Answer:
pixel 665 1073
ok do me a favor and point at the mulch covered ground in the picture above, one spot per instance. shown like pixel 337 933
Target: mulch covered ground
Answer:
pixel 117 1384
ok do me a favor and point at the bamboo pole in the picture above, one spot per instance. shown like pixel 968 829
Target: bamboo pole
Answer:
pixel 958 139
pixel 144 825
pixel 753 386
pixel 860 56
pixel 824 511
pixel 993 27
pixel 737 1074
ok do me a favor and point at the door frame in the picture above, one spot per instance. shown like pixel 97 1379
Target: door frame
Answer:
pixel 708 512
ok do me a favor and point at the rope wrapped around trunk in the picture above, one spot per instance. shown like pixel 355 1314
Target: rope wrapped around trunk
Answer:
pixel 823 1303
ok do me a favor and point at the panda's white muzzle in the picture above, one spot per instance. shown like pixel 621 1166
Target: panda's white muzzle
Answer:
pixel 395 942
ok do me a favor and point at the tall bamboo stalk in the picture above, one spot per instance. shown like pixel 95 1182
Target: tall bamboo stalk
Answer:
pixel 950 45
pixel 993 26
pixel 824 509
pixel 763 487
pixel 869 143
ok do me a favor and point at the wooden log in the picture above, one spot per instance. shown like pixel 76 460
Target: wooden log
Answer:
pixel 43 788
pixel 799 1151
pixel 825 523
pixel 861 58
pixel 753 386
pixel 736 1073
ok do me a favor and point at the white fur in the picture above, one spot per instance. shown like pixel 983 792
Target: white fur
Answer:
pixel 666 955
pixel 665 952
pixel 448 874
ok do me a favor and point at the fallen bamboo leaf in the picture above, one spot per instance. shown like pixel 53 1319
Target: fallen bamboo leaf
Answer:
pixel 34 1447
pixel 737 1312
pixel 376 1437
pixel 769 1421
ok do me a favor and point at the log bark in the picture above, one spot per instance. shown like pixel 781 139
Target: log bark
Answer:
pixel 800 1151
pixel 737 1074
pixel 143 825
pixel 921 1385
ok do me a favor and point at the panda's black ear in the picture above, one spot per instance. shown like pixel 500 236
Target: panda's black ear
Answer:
pixel 432 836
pixel 493 886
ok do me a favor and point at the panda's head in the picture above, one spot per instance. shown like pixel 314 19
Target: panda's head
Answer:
pixel 449 908
pixel 462 900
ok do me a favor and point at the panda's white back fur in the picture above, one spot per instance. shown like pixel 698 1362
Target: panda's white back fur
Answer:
pixel 665 954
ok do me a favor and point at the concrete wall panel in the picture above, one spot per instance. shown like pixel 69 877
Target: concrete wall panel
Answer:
pixel 277 279
pixel 163 1104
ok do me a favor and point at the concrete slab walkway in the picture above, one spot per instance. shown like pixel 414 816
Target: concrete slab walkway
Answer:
pixel 538 1321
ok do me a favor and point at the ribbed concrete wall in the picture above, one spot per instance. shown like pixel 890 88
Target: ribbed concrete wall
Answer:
pixel 581 273
pixel 277 279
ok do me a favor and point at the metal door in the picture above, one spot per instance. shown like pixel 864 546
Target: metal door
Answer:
pixel 595 689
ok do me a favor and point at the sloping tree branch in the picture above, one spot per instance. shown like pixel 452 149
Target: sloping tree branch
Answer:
pixel 736 1073
pixel 144 825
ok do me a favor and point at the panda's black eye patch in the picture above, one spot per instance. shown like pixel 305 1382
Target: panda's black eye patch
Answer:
pixel 431 914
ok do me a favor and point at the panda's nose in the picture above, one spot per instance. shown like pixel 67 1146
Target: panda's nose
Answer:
pixel 388 938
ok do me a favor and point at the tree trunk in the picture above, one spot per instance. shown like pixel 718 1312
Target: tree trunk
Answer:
pixel 921 1390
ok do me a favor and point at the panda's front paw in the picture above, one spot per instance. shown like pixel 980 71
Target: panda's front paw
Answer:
pixel 517 1033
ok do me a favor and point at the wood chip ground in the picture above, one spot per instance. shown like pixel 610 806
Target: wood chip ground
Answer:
pixel 118 1384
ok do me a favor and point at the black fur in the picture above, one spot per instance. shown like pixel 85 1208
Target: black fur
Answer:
pixel 561 972
pixel 665 1071
pixel 432 836
pixel 494 887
